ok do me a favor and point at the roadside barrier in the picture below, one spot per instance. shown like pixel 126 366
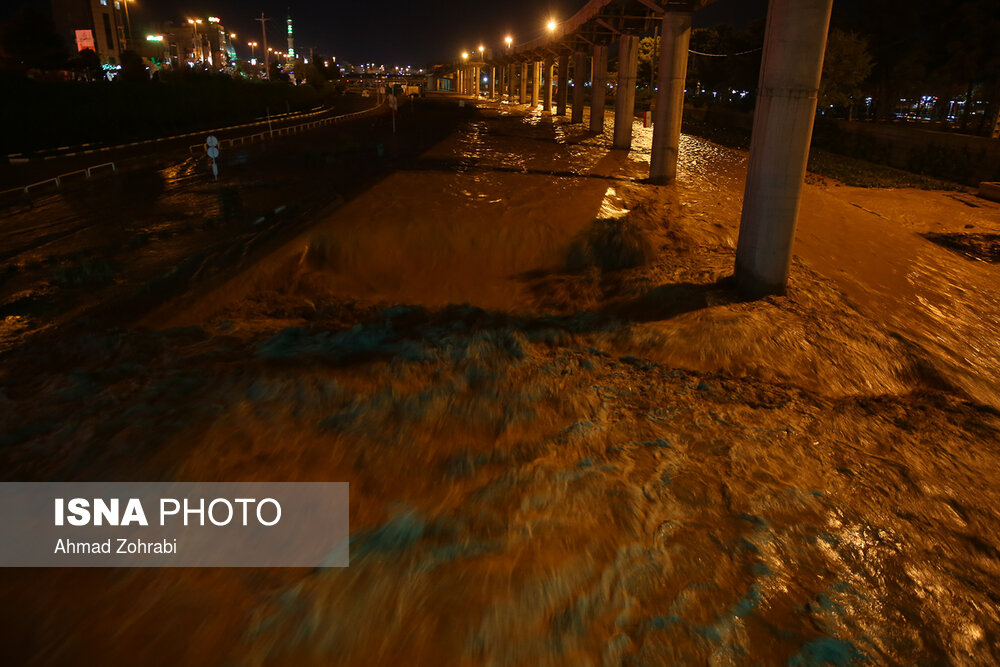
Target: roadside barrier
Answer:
pixel 88 149
pixel 89 172
pixel 61 178
pixel 284 131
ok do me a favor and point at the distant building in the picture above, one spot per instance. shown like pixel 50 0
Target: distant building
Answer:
pixel 92 24
pixel 216 52
pixel 204 42
pixel 165 44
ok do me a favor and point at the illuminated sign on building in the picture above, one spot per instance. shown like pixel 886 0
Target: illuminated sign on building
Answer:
pixel 85 40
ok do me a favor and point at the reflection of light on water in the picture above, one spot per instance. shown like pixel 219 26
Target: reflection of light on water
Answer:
pixel 12 329
pixel 534 116
pixel 611 207
pixel 642 143
pixel 929 306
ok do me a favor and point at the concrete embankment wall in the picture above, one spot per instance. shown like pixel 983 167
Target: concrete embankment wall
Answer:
pixel 955 157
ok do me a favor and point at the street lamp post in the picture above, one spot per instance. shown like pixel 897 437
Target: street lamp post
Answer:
pixel 128 27
pixel 253 58
pixel 509 41
pixel 479 70
pixel 263 20
pixel 197 39
pixel 465 59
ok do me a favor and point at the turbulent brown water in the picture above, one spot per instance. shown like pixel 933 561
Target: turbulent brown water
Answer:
pixel 568 443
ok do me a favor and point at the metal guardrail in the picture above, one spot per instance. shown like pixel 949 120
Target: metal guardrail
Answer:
pixel 283 131
pixel 58 180
pixel 84 149
pixel 234 141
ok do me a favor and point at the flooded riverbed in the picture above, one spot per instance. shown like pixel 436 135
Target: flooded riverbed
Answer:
pixel 567 441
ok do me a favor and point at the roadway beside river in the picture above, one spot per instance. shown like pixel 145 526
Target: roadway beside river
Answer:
pixel 120 243
pixel 21 170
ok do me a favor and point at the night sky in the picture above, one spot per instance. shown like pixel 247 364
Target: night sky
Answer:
pixel 394 32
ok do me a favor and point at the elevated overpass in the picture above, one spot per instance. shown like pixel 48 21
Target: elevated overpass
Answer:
pixel 576 50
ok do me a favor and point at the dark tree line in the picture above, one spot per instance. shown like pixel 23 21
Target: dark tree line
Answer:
pixel 28 40
pixel 946 48
pixel 885 50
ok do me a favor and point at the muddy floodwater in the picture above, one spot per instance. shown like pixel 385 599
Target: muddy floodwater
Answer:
pixel 568 441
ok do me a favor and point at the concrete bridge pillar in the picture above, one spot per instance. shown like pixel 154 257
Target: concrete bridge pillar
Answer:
pixel 676 34
pixel 476 76
pixel 792 63
pixel 598 87
pixel 522 97
pixel 628 67
pixel 547 73
pixel 510 83
pixel 493 82
pixel 562 97
pixel 579 76
pixel 536 82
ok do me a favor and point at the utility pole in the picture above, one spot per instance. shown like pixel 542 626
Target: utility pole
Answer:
pixel 263 29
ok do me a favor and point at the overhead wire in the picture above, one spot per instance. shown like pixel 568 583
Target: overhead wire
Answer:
pixel 725 55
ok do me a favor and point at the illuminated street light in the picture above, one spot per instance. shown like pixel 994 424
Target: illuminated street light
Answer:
pixel 465 55
pixel 482 49
pixel 128 24
pixel 508 40
pixel 194 24
pixel 552 26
